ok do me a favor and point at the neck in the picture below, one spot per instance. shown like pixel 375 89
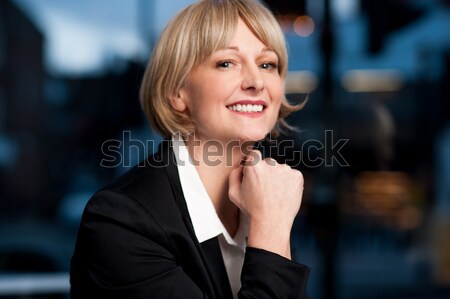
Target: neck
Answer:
pixel 214 161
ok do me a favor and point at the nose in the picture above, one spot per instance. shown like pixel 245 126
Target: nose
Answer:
pixel 252 79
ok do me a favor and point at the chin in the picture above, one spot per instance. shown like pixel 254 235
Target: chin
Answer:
pixel 253 136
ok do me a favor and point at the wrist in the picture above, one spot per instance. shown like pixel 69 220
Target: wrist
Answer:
pixel 276 241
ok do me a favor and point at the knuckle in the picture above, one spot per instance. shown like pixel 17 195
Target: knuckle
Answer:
pixel 270 162
pixel 253 158
pixel 256 154
pixel 300 176
pixel 297 174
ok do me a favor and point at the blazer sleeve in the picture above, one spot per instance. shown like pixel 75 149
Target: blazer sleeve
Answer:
pixel 121 252
pixel 268 275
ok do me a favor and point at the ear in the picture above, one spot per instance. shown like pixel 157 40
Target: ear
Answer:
pixel 178 101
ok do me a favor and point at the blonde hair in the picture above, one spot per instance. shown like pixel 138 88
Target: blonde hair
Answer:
pixel 192 36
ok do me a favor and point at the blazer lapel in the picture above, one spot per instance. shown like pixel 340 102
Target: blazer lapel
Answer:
pixel 219 286
pixel 211 248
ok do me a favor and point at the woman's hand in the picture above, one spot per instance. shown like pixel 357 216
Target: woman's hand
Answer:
pixel 270 195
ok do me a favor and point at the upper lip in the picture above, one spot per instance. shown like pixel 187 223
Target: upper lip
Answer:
pixel 251 102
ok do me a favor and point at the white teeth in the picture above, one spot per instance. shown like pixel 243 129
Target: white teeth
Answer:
pixel 249 108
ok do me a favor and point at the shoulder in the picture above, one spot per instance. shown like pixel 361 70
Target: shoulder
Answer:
pixel 139 210
pixel 143 194
pixel 144 179
pixel 152 177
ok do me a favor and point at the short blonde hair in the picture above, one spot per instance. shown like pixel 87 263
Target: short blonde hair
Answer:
pixel 192 36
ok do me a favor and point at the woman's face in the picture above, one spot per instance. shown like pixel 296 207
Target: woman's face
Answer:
pixel 236 93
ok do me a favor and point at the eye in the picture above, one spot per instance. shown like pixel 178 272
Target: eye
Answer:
pixel 224 64
pixel 269 66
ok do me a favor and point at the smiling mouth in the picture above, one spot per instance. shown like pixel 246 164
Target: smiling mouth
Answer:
pixel 246 108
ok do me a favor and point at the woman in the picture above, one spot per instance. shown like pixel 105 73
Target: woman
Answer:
pixel 205 217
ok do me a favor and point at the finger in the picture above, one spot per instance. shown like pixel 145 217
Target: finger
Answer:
pixel 253 158
pixel 234 183
pixel 270 161
pixel 288 166
pixel 300 176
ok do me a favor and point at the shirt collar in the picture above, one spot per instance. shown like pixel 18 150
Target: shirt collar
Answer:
pixel 204 217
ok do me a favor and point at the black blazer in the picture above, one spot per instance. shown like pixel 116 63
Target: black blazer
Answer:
pixel 136 240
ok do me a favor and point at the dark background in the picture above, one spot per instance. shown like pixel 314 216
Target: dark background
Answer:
pixel 375 220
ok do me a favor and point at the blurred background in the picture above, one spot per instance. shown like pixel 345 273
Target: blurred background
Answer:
pixel 373 140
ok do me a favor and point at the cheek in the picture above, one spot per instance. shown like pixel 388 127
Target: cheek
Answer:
pixel 201 103
pixel 195 95
pixel 277 92
pixel 275 84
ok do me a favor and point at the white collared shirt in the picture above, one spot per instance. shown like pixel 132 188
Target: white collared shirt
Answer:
pixel 204 217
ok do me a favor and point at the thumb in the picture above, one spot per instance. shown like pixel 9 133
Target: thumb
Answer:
pixel 234 183
pixel 253 158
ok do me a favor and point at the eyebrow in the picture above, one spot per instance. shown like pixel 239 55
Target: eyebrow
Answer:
pixel 235 48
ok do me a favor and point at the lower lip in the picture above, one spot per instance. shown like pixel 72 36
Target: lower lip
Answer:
pixel 247 114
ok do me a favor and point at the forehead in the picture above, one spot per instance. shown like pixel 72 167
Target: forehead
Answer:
pixel 241 37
